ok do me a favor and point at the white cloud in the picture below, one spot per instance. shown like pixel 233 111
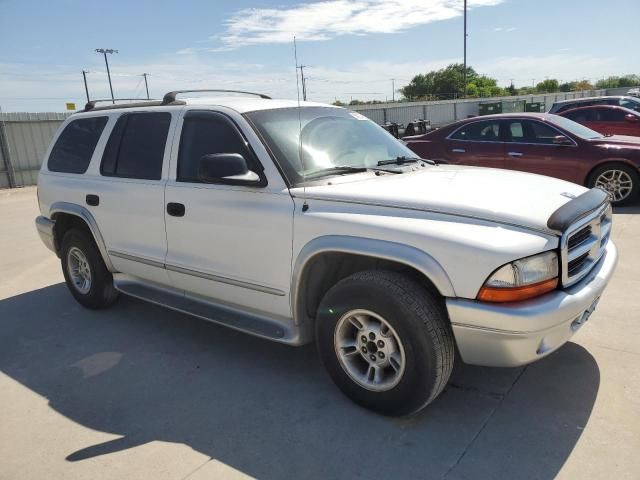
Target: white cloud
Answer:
pixel 332 18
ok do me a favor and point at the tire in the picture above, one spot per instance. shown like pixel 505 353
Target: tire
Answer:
pixel 419 329
pixel 79 250
pixel 613 178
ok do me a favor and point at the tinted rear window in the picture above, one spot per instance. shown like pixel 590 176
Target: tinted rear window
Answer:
pixel 136 146
pixel 73 150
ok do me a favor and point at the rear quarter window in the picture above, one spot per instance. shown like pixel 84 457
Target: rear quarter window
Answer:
pixel 74 147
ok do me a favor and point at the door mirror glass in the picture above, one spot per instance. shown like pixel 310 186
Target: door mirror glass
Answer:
pixel 629 117
pixel 225 168
pixel 561 140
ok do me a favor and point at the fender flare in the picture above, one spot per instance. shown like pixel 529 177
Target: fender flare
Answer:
pixel 87 217
pixel 387 250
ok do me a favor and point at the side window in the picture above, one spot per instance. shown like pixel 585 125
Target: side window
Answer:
pixel 527 131
pixel 136 146
pixel 580 115
pixel 75 145
pixel 205 133
pixel 630 104
pixel 488 131
pixel 609 115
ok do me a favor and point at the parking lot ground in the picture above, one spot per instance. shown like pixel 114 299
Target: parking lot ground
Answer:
pixel 141 392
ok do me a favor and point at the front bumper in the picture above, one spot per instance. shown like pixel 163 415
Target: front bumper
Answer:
pixel 510 335
pixel 45 230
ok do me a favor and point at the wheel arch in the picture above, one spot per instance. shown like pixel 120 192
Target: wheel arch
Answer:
pixel 608 161
pixel 325 260
pixel 67 215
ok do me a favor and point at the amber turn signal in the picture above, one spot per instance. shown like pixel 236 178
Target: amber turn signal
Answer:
pixel 516 294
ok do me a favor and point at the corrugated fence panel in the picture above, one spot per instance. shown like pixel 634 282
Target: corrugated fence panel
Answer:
pixel 28 136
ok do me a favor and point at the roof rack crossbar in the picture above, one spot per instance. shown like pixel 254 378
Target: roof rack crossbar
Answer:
pixel 91 104
pixel 171 96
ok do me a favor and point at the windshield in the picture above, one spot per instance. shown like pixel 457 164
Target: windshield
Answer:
pixel 331 137
pixel 575 128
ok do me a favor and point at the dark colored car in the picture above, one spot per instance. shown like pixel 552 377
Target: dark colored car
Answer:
pixel 538 143
pixel 606 119
pixel 631 103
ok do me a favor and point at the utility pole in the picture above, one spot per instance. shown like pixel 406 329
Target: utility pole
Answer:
pixel 393 89
pixel 104 51
pixel 86 89
pixel 146 85
pixel 304 84
pixel 464 74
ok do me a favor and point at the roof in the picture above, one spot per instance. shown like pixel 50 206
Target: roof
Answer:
pixel 541 116
pixel 588 99
pixel 249 104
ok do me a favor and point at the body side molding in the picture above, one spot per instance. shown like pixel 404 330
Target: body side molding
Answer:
pixel 392 251
pixel 84 214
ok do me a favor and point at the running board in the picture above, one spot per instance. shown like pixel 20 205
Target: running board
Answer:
pixel 176 300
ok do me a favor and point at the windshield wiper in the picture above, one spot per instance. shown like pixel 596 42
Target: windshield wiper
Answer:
pixel 338 169
pixel 403 160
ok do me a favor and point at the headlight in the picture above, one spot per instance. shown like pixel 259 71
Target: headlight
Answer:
pixel 525 278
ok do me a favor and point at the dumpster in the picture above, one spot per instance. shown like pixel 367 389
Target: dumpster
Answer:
pixel 489 108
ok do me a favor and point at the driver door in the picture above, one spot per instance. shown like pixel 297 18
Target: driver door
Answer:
pixel 230 243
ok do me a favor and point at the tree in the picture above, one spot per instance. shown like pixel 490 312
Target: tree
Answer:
pixel 584 85
pixel 338 103
pixel 567 86
pixel 618 82
pixel 548 86
pixel 446 83
pixel 512 89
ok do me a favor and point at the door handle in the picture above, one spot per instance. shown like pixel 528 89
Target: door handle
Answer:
pixel 458 150
pixel 515 154
pixel 175 209
pixel 93 200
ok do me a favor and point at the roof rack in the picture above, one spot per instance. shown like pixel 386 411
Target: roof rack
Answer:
pixel 170 97
pixel 91 105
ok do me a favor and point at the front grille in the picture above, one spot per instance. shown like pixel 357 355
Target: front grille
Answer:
pixel 584 244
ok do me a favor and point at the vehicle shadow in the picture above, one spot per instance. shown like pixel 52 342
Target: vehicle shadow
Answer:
pixel 269 410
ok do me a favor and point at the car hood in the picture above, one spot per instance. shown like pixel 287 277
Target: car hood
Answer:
pixel 503 196
pixel 618 141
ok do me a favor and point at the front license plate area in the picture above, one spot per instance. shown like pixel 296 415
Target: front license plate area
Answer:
pixel 582 319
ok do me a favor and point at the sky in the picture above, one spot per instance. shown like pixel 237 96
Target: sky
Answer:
pixel 352 48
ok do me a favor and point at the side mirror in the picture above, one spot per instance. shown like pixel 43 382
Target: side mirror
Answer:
pixel 561 140
pixel 225 168
pixel 629 117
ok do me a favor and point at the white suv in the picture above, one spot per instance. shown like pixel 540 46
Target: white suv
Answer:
pixel 301 222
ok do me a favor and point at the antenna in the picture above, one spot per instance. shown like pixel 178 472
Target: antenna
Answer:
pixel 305 206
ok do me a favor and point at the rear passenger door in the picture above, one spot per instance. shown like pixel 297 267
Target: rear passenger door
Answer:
pixel 476 143
pixel 129 189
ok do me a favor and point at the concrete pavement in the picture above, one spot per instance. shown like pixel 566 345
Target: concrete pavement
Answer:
pixel 139 391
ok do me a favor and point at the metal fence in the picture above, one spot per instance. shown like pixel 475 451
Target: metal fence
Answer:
pixel 24 137
pixel 443 112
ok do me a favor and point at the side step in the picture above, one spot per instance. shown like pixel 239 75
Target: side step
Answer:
pixel 176 300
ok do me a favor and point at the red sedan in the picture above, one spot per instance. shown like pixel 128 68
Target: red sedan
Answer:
pixel 538 143
pixel 606 119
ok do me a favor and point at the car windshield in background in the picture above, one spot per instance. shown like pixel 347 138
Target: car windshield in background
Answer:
pixel 575 128
pixel 331 138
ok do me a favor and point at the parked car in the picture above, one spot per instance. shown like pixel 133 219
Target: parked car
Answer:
pixel 634 92
pixel 606 119
pixel 629 102
pixel 301 223
pixel 539 143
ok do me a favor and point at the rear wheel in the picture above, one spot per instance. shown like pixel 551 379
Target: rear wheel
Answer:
pixel 620 181
pixel 85 273
pixel 386 341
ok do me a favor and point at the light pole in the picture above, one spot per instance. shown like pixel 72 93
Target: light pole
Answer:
pixel 104 51
pixel 464 73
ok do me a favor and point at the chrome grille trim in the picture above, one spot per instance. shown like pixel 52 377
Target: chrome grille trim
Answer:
pixel 583 244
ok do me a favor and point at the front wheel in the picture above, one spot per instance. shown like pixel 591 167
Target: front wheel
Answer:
pixel 386 341
pixel 620 181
